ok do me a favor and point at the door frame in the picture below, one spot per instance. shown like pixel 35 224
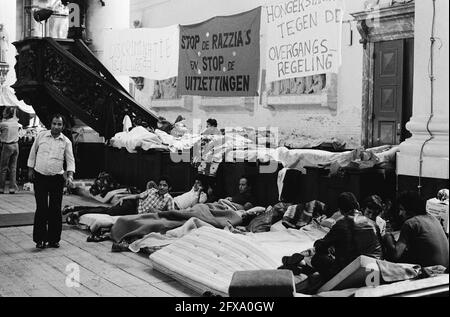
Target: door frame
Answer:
pixel 392 23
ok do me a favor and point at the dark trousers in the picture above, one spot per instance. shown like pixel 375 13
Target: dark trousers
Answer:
pixel 48 192
pixel 128 207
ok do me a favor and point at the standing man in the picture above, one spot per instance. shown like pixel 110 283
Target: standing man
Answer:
pixel 9 137
pixel 45 163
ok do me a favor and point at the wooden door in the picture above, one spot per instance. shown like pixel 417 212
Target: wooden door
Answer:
pixel 388 92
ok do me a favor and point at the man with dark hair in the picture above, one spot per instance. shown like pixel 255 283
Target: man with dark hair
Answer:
pixel 211 123
pixel 155 197
pixel 352 236
pixel 46 169
pixel 422 239
pixel 373 207
pixel 211 128
pixel 244 197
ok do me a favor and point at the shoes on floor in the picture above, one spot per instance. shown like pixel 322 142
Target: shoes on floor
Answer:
pixel 67 209
pixel 120 247
pixel 72 219
pixel 12 193
pixel 96 238
pixel 40 245
pixel 54 245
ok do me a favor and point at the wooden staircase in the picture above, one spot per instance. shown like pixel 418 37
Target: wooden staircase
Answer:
pixel 64 76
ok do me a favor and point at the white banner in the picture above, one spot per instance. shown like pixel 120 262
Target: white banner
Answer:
pixel 149 53
pixel 303 38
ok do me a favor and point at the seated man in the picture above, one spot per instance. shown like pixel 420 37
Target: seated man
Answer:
pixel 211 128
pixel 373 207
pixel 244 197
pixel 352 236
pixel 422 239
pixel 154 197
pixel 195 196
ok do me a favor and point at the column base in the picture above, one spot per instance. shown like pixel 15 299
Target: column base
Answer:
pixel 432 167
pixel 430 186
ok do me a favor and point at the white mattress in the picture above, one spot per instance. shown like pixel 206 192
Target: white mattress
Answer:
pixel 205 259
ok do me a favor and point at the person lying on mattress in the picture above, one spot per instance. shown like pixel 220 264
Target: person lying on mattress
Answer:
pixel 156 196
pixel 352 236
pixel 221 214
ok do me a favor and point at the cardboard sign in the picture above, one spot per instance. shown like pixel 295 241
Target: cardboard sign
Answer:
pixel 221 57
pixel 303 38
pixel 149 53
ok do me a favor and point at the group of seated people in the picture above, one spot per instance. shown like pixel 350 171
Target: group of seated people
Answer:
pixel 354 231
pixel 422 239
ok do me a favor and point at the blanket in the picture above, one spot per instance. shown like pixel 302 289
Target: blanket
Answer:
pixel 156 240
pixel 138 137
pixel 131 228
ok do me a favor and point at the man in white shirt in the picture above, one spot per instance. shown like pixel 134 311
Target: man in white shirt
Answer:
pixel 195 196
pixel 46 169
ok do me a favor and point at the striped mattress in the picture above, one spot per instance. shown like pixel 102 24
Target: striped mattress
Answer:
pixel 205 259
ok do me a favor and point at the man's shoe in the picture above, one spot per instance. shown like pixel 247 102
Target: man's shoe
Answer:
pixel 67 209
pixel 54 245
pixel 40 245
pixel 120 247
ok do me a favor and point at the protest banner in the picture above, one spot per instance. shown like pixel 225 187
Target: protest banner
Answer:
pixel 221 57
pixel 303 38
pixel 150 53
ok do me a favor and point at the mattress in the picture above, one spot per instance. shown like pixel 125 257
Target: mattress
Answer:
pixel 206 259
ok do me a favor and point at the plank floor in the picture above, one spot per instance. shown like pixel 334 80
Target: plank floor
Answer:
pixel 28 272
pixel 23 202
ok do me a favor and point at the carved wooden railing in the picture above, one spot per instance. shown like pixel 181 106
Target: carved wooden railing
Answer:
pixel 64 76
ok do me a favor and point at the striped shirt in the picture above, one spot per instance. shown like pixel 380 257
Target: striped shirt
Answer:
pixel 152 199
pixel 47 154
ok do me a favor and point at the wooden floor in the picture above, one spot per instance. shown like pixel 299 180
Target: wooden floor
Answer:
pixel 26 271
pixel 23 202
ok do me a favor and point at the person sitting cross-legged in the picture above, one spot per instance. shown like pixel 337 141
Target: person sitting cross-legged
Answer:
pixel 422 239
pixel 352 236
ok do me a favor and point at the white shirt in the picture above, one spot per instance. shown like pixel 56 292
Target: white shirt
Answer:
pixel 189 199
pixel 47 154
pixel 381 223
pixel 127 124
pixel 9 130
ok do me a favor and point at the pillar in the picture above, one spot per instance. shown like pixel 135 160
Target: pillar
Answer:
pixel 435 167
